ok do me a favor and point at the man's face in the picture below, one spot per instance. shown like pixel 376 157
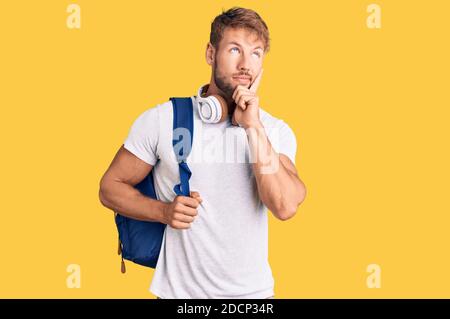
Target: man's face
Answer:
pixel 237 60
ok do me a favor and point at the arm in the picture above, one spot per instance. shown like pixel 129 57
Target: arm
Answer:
pixel 118 194
pixel 117 191
pixel 279 186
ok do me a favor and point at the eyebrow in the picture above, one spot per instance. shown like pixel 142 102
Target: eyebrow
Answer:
pixel 235 43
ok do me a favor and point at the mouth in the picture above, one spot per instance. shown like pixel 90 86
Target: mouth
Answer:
pixel 242 79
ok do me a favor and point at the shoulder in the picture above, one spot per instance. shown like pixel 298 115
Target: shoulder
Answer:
pixel 281 136
pixel 153 113
pixel 271 122
pixel 163 107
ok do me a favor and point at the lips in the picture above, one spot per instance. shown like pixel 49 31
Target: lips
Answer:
pixel 241 78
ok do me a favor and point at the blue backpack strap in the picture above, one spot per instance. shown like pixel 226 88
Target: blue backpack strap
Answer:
pixel 183 119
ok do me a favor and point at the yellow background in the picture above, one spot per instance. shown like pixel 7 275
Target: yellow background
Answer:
pixel 370 109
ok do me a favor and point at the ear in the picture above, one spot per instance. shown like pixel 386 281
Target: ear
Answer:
pixel 210 52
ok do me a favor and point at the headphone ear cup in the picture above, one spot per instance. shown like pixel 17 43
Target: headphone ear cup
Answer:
pixel 224 107
pixel 212 108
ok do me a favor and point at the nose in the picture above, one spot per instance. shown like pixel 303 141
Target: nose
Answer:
pixel 244 63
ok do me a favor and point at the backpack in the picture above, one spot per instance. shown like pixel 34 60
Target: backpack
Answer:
pixel 140 241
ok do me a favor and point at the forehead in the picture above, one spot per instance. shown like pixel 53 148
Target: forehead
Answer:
pixel 242 36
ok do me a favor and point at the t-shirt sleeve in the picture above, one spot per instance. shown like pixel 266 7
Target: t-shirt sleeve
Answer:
pixel 142 139
pixel 283 140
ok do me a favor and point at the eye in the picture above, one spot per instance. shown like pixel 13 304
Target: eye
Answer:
pixel 257 53
pixel 234 48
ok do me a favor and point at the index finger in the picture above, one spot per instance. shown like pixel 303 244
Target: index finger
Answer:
pixel 254 87
pixel 189 201
pixel 196 195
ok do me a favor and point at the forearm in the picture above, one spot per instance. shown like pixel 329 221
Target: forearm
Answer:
pixel 279 189
pixel 128 201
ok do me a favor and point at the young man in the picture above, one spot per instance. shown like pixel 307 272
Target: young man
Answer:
pixel 216 241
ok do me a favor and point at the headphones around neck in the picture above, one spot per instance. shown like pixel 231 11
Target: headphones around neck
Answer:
pixel 212 108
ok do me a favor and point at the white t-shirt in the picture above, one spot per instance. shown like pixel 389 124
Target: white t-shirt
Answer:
pixel 225 252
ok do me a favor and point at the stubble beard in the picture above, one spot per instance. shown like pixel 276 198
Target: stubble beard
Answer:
pixel 222 84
